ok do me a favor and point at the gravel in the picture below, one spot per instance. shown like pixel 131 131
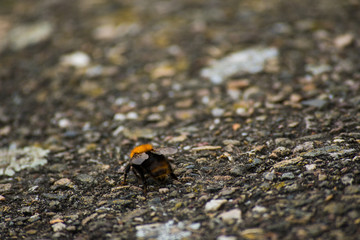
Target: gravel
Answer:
pixel 261 99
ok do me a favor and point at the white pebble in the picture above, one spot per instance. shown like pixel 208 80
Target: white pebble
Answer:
pixel 161 108
pixel 26 35
pixel 120 101
pixel 310 167
pixel 223 237
pixel 195 226
pixel 64 123
pixel 240 111
pixel 214 205
pixel 217 112
pixel 163 190
pixel 259 209
pixel 76 59
pixel 58 226
pixel 247 61
pixel 118 130
pixel 86 126
pixel 205 100
pixel 132 115
pixel 187 148
pixel 234 214
pixel 119 117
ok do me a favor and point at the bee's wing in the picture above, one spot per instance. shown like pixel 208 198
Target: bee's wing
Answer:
pixel 165 151
pixel 139 158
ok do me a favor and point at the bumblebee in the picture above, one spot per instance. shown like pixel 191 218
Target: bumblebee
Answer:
pixel 144 159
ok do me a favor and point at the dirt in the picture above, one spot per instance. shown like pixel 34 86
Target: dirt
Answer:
pixel 271 154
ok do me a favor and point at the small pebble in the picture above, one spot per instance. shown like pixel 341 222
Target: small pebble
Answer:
pixel 119 117
pixel 259 209
pixel 168 230
pixel 249 60
pixel 76 59
pixel 306 146
pixel 31 231
pixel 64 123
pixel 230 216
pixel 132 116
pixel 223 237
pixel 34 218
pixel 202 148
pixel 317 70
pixel 58 226
pixel 26 210
pixel 85 178
pixel 319 103
pixel 138 219
pixel 63 182
pixel 322 177
pixel 190 195
pixel 322 151
pixel 71 228
pixel 253 233
pixel 163 190
pixel 237 171
pixel 347 179
pixel 352 189
pixel 310 167
pixel 231 142
pixel 344 40
pixel 280 152
pixel 285 142
pixel 287 176
pixel 241 111
pixel 179 138
pixel 269 175
pixel 56 220
pixel 154 117
pixel 335 208
pixel 214 205
pixel 227 191
pixel 293 124
pixel 195 226
pixel 217 112
pixel 30 34
pixel 118 130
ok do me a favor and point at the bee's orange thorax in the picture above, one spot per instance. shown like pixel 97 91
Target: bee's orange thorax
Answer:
pixel 141 149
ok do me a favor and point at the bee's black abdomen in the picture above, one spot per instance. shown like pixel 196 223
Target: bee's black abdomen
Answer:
pixel 157 166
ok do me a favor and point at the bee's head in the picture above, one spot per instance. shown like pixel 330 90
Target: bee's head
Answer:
pixel 141 149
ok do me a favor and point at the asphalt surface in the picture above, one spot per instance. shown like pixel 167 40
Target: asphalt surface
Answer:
pixel 260 98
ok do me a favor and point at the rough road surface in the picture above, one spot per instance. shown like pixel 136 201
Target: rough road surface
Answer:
pixel 261 99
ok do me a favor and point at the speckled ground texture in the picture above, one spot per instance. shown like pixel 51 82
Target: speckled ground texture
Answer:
pixel 261 99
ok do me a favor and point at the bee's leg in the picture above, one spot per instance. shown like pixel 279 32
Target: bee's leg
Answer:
pixel 141 177
pixel 145 188
pixel 143 180
pixel 173 176
pixel 127 169
pixel 137 174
